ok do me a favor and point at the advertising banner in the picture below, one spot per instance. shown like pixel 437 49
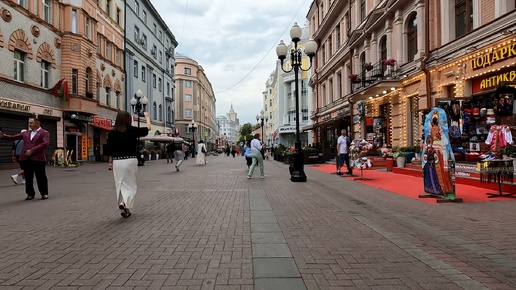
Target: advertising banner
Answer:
pixel 438 162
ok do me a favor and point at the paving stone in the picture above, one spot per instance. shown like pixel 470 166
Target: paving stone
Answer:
pixel 279 284
pixel 275 267
pixel 271 250
pixel 268 238
pixel 265 228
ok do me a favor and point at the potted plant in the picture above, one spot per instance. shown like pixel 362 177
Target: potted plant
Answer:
pixel 389 62
pixel 399 156
pixel 368 66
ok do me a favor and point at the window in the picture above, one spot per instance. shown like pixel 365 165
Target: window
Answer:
pixel 75 78
pixel 160 85
pixel 135 68
pixel 144 73
pixel 144 40
pixel 108 50
pixel 412 37
pixel 108 7
pixel 188 84
pixel 337 36
pixel 118 12
pixel 188 71
pixel 339 86
pixel 168 89
pixel 117 100
pixel 45 66
pixel 98 43
pixel 87 82
pixel 19 66
pixel 23 3
pixel 144 16
pixel 154 51
pixel 154 111
pixel 169 114
pixel 330 46
pixel 87 25
pixel 160 36
pixel 154 28
pixel 47 10
pixel 362 10
pixel 136 34
pixel 108 97
pixel 188 98
pixel 383 52
pixel 154 80
pixel 160 113
pixel 117 56
pixel 137 7
pixel 160 57
pixel 464 17
pixel 188 113
pixel 74 21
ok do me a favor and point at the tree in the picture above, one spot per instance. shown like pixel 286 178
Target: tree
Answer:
pixel 246 132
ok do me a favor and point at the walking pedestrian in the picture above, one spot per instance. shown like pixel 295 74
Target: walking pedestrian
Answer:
pixel 170 152
pixel 256 153
pixel 122 150
pixel 33 157
pixel 178 147
pixel 201 153
pixel 343 143
pixel 247 154
pixel 233 149
pixel 17 151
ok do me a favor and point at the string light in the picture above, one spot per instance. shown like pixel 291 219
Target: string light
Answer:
pixel 404 120
pixel 415 120
pixel 391 126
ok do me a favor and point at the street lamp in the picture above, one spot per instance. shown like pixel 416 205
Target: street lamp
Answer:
pixel 193 127
pixel 138 103
pixel 297 173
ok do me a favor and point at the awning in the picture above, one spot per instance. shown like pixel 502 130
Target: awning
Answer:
pixel 107 128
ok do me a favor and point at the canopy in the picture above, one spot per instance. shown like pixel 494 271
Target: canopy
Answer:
pixel 161 138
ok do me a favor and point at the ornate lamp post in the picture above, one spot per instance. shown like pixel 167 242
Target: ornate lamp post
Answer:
pixel 297 173
pixel 139 103
pixel 193 127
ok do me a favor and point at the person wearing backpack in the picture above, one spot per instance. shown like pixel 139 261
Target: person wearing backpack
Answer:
pixel 17 150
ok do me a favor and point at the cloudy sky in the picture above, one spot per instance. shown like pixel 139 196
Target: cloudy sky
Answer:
pixel 235 42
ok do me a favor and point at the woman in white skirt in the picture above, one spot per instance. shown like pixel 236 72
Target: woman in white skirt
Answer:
pixel 201 153
pixel 122 147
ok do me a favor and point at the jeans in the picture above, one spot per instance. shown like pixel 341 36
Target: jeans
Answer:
pixel 344 158
pixel 257 158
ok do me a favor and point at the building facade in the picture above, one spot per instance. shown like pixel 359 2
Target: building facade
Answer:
pixel 270 106
pixel 229 128
pixel 378 70
pixel 150 58
pixel 194 102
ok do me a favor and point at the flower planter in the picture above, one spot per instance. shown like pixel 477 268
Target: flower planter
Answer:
pixel 409 156
pixel 400 162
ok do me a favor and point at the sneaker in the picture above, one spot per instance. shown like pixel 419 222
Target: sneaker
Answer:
pixel 248 177
pixel 14 178
pixel 263 176
pixel 177 168
pixel 23 181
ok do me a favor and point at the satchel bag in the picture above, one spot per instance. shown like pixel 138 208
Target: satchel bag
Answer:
pixel 203 150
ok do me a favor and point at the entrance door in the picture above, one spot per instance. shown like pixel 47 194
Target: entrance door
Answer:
pixel 96 144
pixel 71 144
pixel 384 111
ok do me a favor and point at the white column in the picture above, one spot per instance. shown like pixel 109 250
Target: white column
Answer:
pixel 390 40
pixel 420 8
pixel 374 49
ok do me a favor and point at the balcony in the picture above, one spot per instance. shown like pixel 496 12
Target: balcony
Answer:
pixel 80 105
pixel 372 75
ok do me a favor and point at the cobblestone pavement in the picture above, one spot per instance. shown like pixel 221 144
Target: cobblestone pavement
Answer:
pixel 208 227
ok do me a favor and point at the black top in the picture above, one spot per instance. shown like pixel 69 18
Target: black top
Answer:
pixel 177 146
pixel 125 144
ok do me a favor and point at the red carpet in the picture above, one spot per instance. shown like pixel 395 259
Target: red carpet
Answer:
pixel 411 186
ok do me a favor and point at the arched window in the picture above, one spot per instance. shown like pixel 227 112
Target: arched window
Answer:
pixel 411 37
pixel 160 113
pixel 169 115
pixel 383 52
pixel 362 65
pixel 154 111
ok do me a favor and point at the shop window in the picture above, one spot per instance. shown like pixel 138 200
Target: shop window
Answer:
pixel 45 71
pixel 412 37
pixel 75 80
pixel 463 17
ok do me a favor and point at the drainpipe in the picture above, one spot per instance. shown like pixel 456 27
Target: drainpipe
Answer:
pixel 427 56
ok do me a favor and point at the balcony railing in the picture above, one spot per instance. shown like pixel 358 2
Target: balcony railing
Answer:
pixel 372 74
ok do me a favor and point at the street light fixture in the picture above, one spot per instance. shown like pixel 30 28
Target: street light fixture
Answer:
pixel 139 103
pixel 297 173
pixel 193 127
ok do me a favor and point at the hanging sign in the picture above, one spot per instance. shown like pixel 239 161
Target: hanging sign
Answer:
pixel 438 161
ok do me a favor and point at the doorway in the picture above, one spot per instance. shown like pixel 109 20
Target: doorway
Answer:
pixel 385 113
pixel 71 144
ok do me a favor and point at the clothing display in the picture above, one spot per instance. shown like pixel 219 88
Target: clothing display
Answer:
pixel 499 136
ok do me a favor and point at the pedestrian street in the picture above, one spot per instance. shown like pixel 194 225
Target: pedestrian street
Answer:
pixel 209 227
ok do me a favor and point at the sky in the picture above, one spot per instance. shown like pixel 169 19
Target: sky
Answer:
pixel 235 42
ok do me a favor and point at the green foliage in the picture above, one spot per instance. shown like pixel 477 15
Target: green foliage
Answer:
pixel 398 153
pixel 246 132
pixel 510 151
pixel 310 150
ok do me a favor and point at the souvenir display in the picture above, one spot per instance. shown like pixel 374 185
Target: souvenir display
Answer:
pixel 438 162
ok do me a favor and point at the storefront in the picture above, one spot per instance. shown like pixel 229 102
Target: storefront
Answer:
pixel 76 135
pixel 14 117
pixel 100 129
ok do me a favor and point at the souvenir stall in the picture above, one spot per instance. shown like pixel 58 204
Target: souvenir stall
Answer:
pixel 357 150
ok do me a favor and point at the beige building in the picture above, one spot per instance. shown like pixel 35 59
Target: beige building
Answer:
pixel 370 68
pixel 194 102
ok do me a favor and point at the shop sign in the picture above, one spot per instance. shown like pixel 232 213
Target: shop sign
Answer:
pixel 103 122
pixel 15 106
pixel 493 81
pixel 287 129
pixel 496 55
pixel 84 147
pixel 326 117
pixel 344 111
pixel 48 112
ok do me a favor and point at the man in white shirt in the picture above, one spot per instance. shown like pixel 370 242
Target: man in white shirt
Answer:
pixel 343 144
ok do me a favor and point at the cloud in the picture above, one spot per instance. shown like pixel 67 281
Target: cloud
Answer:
pixel 229 38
